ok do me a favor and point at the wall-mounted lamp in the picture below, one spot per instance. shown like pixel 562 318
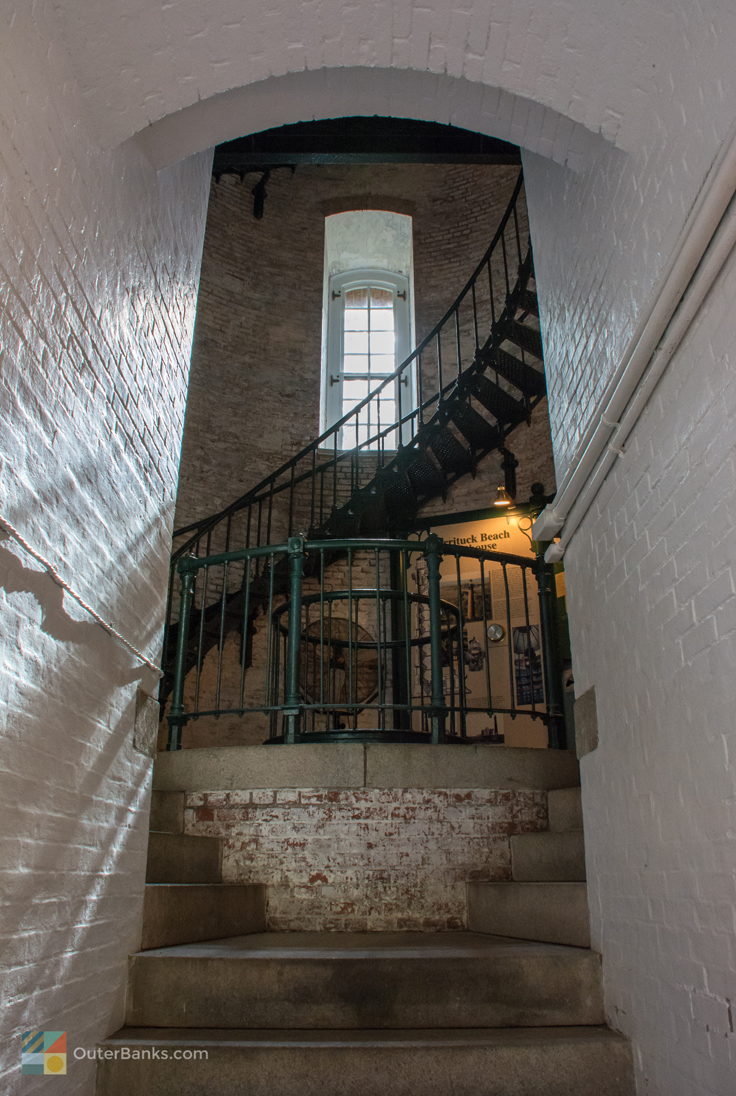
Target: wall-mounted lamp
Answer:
pixel 506 494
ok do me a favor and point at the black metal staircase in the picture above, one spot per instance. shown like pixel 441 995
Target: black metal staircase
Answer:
pixel 477 375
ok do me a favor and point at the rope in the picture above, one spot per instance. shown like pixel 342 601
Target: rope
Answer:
pixel 73 594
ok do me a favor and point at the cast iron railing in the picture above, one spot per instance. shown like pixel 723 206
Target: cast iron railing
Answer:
pixel 370 638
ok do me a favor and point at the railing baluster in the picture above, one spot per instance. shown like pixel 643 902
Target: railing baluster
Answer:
pixel 432 547
pixel 551 662
pixel 458 346
pixel 221 635
pixel 200 637
pixel 177 716
pixel 293 697
pixel 461 647
pixel 244 633
pixel 420 390
pixel 509 639
pixel 290 529
pixel 486 603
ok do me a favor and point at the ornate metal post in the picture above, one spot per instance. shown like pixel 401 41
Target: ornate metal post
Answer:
pixel 293 640
pixel 177 717
pixel 438 713
pixel 550 656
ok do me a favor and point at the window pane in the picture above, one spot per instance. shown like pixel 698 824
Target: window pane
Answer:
pixel 355 363
pixel 382 298
pixel 356 319
pixel 353 392
pixel 382 364
pixel 382 319
pixel 356 342
pixel 357 298
pixel 382 342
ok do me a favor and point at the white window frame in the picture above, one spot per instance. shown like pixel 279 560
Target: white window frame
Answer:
pixel 333 375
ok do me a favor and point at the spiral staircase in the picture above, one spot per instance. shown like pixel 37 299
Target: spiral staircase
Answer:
pixel 477 376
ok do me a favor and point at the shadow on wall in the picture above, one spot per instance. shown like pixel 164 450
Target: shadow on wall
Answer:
pixel 76 800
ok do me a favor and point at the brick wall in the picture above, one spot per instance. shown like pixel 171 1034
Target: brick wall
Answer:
pixel 98 268
pixel 652 601
pixel 366 859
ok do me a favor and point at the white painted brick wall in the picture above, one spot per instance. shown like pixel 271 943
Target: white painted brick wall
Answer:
pixel 651 585
pixel 144 59
pixel 98 268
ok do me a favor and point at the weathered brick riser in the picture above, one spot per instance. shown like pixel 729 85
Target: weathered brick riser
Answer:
pixel 366 859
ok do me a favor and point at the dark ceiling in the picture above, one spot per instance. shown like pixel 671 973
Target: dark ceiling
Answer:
pixel 360 140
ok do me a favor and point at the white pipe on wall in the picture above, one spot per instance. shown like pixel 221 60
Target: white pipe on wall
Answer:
pixel 695 263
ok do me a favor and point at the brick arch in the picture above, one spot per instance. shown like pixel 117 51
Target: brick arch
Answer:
pixel 401 93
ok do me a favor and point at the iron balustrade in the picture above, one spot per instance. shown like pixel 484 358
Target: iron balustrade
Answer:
pixel 370 639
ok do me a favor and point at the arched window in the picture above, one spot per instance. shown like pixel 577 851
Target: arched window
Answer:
pixel 368 324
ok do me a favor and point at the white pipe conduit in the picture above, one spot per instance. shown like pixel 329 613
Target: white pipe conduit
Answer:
pixel 707 238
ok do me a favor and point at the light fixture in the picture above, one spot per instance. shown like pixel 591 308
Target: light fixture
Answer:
pixel 506 494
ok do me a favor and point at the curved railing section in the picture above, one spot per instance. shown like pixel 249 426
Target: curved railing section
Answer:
pixel 399 640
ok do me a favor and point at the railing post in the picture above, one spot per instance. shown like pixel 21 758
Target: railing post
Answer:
pixel 438 713
pixel 550 656
pixel 177 716
pixel 293 640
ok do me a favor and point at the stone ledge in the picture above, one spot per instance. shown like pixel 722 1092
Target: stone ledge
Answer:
pixel 357 765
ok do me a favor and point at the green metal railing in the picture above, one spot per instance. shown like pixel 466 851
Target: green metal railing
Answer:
pixel 371 638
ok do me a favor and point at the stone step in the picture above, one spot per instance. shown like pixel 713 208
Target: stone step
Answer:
pixel 365 980
pixel 181 858
pixel 572 1061
pixel 556 913
pixel 564 809
pixel 548 857
pixel 182 913
pixel 167 812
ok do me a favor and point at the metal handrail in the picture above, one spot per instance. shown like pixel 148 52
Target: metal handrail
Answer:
pixel 410 616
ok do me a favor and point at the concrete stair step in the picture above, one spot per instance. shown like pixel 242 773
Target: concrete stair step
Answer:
pixel 182 858
pixel 548 857
pixel 365 980
pixel 181 913
pixel 572 1061
pixel 565 809
pixel 556 913
pixel 167 812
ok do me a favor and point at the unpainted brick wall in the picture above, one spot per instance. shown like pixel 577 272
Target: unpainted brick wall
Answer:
pixel 98 270
pixel 366 859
